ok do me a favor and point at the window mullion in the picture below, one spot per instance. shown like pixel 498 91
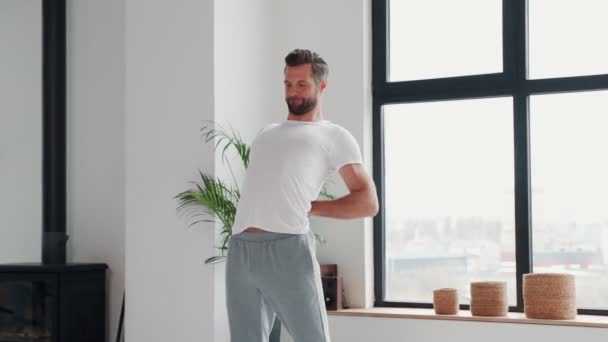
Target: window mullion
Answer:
pixel 523 236
pixel 380 32
pixel 516 15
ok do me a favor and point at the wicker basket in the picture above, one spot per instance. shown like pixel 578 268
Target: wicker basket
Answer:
pixel 489 298
pixel 445 301
pixel 549 296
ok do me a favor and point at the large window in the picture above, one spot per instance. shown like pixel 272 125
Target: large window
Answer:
pixel 490 146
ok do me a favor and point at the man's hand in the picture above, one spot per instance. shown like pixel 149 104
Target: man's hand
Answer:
pixel 361 202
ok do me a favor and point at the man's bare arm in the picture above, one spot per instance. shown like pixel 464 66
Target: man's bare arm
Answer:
pixel 362 201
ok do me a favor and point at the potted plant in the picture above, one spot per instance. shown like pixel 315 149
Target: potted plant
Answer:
pixel 215 201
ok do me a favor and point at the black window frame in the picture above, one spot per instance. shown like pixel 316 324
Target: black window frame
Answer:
pixel 513 82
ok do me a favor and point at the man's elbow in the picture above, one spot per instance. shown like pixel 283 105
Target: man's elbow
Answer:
pixel 373 206
pixel 368 202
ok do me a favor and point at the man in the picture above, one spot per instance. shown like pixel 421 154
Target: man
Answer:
pixel 271 266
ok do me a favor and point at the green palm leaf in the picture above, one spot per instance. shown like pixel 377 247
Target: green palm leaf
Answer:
pixel 227 140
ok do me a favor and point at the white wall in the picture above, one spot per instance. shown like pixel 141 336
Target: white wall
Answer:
pixel 95 142
pixel 20 131
pixel 364 329
pixel 169 91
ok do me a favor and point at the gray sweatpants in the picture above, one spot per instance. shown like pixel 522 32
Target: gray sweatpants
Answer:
pixel 270 274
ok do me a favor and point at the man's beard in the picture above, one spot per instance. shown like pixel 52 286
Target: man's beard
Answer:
pixel 303 107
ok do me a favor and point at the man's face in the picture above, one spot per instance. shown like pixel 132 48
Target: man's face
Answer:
pixel 301 90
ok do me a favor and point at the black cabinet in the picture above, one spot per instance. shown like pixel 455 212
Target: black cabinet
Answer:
pixel 53 303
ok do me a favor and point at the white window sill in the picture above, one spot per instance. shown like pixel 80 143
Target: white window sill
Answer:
pixel 465 315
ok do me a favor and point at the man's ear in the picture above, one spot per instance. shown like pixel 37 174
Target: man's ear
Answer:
pixel 323 85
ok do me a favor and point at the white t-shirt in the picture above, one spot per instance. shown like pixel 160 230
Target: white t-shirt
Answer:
pixel 289 162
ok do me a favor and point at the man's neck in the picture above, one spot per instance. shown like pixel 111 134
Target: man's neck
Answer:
pixel 313 115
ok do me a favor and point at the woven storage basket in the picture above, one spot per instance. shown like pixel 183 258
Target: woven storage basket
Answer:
pixel 445 301
pixel 549 296
pixel 489 298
